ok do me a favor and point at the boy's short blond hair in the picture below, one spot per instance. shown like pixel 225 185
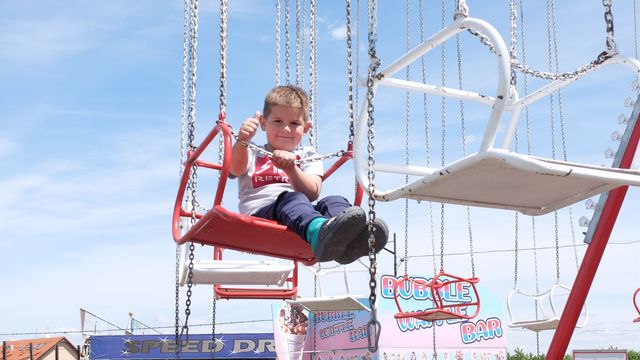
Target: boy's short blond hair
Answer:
pixel 286 95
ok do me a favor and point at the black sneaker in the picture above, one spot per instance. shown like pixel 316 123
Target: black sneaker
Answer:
pixel 337 232
pixel 360 246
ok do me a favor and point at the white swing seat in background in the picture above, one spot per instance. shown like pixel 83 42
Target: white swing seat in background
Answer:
pixel 331 303
pixel 342 302
pixel 493 176
pixel 548 305
pixel 234 272
pixel 502 179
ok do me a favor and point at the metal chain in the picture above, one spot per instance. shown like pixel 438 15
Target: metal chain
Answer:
pixel 193 178
pixel 464 151
pixel 407 113
pixel 443 128
pixel 513 48
pixel 515 251
pixel 224 26
pixel 268 153
pixel 298 43
pixel 573 239
pixel 425 110
pixel 314 84
pixel 357 55
pixel 462 10
pixel 562 131
pixel 187 310
pixel 313 133
pixel 350 74
pixel 287 50
pixel 213 326
pixel 373 333
pixel 183 134
pixel 315 295
pixel 610 46
pixel 535 256
pixel 303 35
pixel 193 61
pixel 277 30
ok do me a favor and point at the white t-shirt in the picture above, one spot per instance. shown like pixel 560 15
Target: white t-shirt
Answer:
pixel 253 192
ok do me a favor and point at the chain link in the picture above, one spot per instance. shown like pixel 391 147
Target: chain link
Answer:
pixel 287 50
pixel 183 139
pixel 350 74
pixel 224 26
pixel 443 128
pixel 268 153
pixel 177 298
pixel 298 43
pixel 407 112
pixel 610 46
pixel 213 325
pixel 277 30
pixel 313 77
pixel 425 110
pixel 373 333
pixel 515 250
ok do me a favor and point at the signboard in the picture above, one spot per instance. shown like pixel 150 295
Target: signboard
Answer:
pixel 196 346
pixel 331 335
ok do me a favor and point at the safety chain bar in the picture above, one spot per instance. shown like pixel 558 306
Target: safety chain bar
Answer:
pixel 260 150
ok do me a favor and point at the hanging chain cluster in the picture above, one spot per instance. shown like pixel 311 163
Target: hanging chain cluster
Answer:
pixel 610 46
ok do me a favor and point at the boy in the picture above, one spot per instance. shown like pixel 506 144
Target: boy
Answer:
pixel 276 188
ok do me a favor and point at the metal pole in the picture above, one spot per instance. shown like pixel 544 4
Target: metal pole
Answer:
pixel 592 257
pixel 4 350
pixel 57 354
pixel 30 351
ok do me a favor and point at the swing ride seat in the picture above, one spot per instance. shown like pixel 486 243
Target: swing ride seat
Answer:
pixel 235 272
pixel 265 274
pixel 503 179
pixel 546 303
pixel 331 303
pixel 443 309
pixel 636 305
pixel 230 230
pixel 492 177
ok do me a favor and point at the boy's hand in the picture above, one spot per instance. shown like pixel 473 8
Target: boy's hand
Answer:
pixel 249 127
pixel 283 159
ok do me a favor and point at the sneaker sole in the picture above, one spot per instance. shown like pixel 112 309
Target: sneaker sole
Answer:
pixel 346 227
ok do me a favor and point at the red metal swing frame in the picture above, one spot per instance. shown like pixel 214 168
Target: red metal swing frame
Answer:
pixel 441 310
pixel 225 229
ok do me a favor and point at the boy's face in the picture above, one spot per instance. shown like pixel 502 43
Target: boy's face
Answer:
pixel 284 127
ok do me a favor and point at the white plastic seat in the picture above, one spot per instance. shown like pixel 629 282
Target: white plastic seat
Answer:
pixel 234 272
pixel 331 303
pixel 493 176
pixel 502 179
pixel 547 305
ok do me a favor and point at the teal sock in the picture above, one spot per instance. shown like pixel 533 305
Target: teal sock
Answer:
pixel 313 229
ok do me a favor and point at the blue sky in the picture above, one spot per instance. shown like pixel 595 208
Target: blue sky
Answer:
pixel 90 135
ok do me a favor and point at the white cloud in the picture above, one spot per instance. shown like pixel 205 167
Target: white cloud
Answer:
pixel 338 32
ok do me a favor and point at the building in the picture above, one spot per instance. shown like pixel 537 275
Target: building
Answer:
pixel 57 348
